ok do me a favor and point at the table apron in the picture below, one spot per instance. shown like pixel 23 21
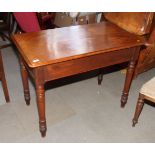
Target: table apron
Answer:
pixel 81 65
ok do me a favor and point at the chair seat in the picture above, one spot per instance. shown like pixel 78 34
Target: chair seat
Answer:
pixel 148 89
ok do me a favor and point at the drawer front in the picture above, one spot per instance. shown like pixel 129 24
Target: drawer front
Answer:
pixel 85 64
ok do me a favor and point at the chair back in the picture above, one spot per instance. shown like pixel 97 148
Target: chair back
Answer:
pixel 27 21
pixel 138 23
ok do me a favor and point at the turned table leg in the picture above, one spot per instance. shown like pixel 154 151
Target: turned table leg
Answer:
pixel 128 80
pixel 24 75
pixel 40 92
pixel 138 110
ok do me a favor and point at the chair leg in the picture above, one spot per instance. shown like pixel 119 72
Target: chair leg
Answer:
pixel 5 89
pixel 138 110
pixel 4 85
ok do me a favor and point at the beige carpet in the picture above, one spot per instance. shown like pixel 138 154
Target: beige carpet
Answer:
pixel 80 111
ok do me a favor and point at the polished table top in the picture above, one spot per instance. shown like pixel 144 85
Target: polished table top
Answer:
pixel 62 44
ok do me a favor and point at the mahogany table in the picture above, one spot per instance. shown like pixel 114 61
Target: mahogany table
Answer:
pixel 52 54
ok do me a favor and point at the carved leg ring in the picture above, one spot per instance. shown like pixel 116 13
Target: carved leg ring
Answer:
pixel 127 84
pixel 25 83
pixel 139 106
pixel 41 109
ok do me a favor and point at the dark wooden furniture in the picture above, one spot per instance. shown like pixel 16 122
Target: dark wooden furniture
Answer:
pixel 6 28
pixel 2 78
pixel 46 20
pixel 52 54
pixel 6 25
pixel 139 23
pixel 146 60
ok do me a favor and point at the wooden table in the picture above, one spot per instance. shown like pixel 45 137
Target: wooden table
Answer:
pixel 52 54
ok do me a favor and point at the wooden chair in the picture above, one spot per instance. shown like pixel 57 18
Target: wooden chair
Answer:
pixel 6 28
pixel 147 92
pixel 28 22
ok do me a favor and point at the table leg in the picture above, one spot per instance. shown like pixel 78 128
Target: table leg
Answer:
pixel 24 75
pixel 100 76
pixel 40 92
pixel 128 80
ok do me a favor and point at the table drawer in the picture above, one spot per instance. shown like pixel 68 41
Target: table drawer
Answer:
pixel 85 64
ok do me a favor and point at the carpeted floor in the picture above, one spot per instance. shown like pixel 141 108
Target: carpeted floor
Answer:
pixel 79 111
